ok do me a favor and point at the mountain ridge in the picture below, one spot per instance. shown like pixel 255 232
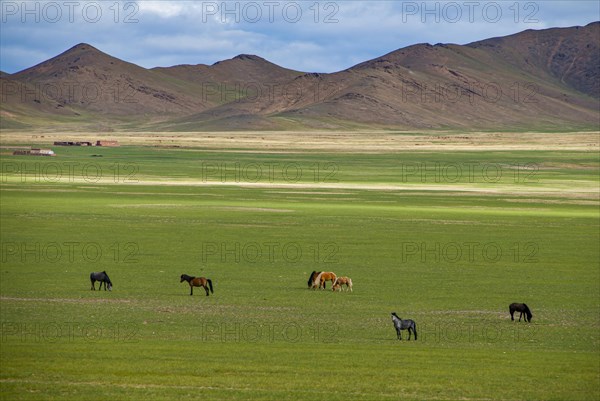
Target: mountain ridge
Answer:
pixel 531 79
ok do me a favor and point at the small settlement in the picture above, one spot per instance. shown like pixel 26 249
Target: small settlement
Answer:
pixel 34 152
pixel 50 152
pixel 86 143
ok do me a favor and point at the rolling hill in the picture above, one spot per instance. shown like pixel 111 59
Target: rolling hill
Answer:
pixel 536 79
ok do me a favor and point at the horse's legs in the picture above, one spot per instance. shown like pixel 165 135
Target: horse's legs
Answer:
pixel 93 286
pixel 520 316
pixel 511 315
pixel 205 289
pixel 191 289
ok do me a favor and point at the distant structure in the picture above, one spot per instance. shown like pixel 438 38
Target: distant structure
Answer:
pixel 107 143
pixel 86 143
pixel 65 143
pixel 34 152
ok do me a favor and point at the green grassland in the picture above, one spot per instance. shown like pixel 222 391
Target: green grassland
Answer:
pixel 447 239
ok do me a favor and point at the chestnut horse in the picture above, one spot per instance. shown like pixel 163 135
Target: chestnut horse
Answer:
pixel 339 283
pixel 322 278
pixel 197 282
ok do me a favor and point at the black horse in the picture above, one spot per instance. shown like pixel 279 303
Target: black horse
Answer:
pixel 400 325
pixel 102 277
pixel 522 308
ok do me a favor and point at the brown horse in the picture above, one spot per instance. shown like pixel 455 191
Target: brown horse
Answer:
pixel 322 278
pixel 339 283
pixel 197 282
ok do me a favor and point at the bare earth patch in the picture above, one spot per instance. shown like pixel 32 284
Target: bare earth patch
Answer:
pixel 67 300
pixel 327 141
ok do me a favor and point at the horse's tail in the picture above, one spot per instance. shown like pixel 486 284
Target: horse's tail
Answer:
pixel 210 285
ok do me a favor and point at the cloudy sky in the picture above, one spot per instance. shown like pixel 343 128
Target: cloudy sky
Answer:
pixel 321 36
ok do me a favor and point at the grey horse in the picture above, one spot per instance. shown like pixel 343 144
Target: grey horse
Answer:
pixel 407 324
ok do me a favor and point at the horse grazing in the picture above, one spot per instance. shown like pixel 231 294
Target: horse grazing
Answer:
pixel 312 279
pixel 102 277
pixel 339 283
pixel 400 325
pixel 322 278
pixel 522 308
pixel 197 282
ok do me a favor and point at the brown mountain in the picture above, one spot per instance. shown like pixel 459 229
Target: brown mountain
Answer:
pixel 534 79
pixel 545 79
pixel 86 80
pixel 570 55
pixel 231 80
pixel 243 70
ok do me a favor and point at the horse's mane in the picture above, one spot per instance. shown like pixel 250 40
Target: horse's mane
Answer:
pixel 311 278
pixel 529 315
pixel 108 278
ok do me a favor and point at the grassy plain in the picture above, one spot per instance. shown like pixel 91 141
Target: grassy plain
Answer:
pixel 447 236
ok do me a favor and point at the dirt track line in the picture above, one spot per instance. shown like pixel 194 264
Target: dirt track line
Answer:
pixel 65 300
pixel 505 189
pixel 196 388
